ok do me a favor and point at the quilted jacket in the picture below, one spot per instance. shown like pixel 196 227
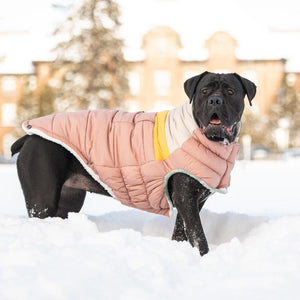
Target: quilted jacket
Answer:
pixel 133 155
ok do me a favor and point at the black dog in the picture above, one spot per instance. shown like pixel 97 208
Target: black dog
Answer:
pixel 54 182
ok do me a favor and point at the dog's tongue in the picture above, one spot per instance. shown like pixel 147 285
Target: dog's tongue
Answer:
pixel 215 121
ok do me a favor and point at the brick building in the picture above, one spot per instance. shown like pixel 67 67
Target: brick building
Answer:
pixel 155 79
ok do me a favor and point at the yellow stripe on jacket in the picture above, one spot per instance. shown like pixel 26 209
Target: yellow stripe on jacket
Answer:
pixel 161 149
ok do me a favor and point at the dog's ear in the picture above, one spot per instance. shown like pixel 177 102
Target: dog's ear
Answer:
pixel 191 84
pixel 249 86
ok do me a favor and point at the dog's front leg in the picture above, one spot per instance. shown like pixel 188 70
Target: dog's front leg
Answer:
pixel 179 234
pixel 185 191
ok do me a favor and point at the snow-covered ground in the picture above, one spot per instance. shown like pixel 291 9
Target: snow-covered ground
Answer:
pixel 109 251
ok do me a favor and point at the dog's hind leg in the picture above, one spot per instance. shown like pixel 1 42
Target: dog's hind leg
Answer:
pixel 71 200
pixel 42 167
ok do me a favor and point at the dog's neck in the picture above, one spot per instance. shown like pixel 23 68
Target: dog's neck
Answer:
pixel 179 126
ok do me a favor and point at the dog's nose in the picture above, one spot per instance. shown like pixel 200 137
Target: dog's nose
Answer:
pixel 215 101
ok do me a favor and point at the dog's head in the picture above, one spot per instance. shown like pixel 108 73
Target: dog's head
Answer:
pixel 218 103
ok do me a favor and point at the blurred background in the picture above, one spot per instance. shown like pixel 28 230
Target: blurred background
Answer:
pixel 59 55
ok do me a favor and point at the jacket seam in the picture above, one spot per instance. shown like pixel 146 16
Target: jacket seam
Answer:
pixel 52 123
pixel 144 184
pixel 85 133
pixel 125 166
pixel 127 191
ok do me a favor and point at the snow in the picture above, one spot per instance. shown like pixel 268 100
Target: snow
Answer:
pixel 110 251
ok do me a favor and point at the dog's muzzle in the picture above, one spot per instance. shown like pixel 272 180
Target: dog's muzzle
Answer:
pixel 217 131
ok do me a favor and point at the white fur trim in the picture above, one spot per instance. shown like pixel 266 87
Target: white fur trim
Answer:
pixel 166 190
pixel 213 190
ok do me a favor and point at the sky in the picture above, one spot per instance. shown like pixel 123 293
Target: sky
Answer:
pixel 263 29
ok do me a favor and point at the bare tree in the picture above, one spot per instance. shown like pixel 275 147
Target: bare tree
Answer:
pixel 90 50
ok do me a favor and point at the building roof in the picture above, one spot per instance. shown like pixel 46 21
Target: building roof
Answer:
pixel 250 23
pixel 17 51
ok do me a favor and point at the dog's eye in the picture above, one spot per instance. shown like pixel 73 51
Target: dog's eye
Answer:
pixel 204 91
pixel 230 91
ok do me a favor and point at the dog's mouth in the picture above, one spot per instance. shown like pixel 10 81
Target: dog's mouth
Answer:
pixel 217 131
pixel 215 120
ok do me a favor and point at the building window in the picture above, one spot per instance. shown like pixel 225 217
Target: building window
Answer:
pixel 134 83
pixel 291 79
pixel 54 83
pixel 9 114
pixel 8 85
pixel 32 83
pixel 161 45
pixel 162 82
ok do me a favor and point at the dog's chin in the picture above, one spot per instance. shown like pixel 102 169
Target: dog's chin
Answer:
pixel 221 133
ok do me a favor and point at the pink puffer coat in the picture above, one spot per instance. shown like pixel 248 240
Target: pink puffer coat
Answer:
pixel 133 154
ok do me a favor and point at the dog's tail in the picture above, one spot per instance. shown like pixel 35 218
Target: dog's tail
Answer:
pixel 18 144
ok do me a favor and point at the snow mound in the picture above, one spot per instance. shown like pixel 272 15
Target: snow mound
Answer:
pixel 111 251
pixel 101 258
